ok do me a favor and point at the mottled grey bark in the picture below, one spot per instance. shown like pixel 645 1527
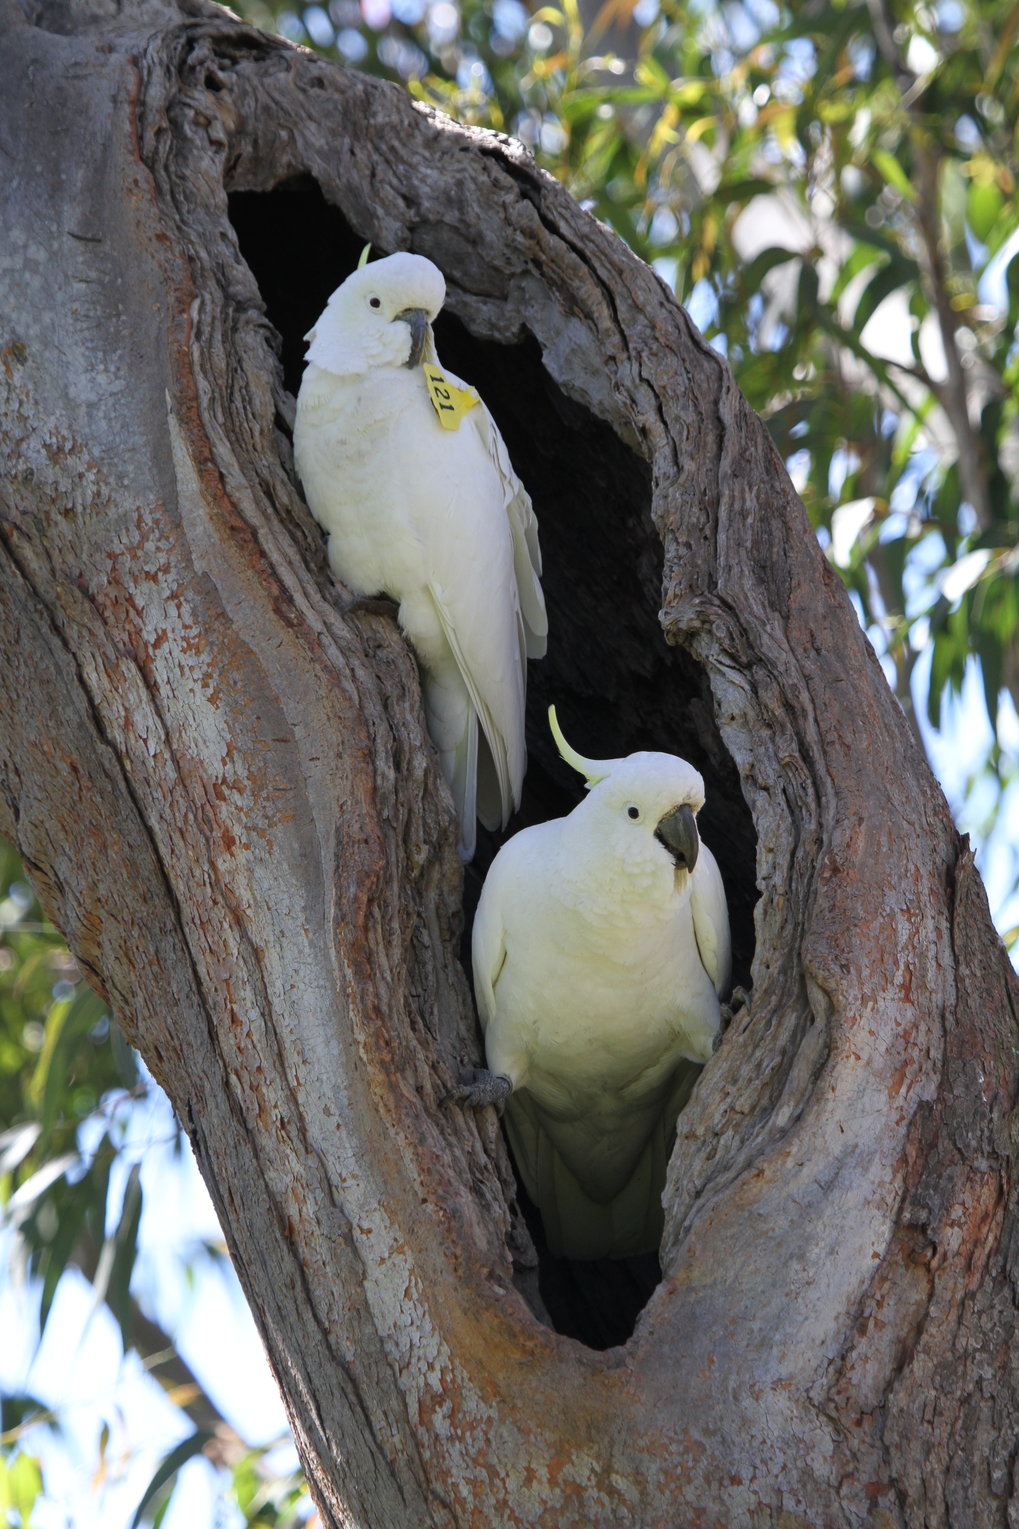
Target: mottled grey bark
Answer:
pixel 224 792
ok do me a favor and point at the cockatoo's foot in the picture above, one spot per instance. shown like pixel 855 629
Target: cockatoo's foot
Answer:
pixel 478 1087
pixel 739 999
pixel 374 605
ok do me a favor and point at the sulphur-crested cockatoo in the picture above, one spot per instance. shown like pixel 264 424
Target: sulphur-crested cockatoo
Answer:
pixel 403 466
pixel 601 949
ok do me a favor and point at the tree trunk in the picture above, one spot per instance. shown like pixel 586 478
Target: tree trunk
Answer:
pixel 224 793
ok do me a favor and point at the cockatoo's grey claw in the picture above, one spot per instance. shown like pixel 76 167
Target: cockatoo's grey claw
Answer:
pixel 478 1087
pixel 739 999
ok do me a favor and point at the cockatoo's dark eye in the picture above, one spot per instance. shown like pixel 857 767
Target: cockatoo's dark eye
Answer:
pixel 375 302
pixel 634 813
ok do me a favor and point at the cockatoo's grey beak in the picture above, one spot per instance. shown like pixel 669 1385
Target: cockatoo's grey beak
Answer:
pixel 678 832
pixel 417 318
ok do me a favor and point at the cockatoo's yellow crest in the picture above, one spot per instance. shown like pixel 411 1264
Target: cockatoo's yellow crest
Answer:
pixel 593 770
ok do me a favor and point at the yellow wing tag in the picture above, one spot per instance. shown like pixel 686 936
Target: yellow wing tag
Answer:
pixel 449 403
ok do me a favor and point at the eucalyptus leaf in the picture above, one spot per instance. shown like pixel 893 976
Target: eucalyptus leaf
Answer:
pixel 168 1468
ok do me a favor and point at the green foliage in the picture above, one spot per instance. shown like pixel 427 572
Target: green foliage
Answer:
pixel 68 1086
pixel 20 1489
pixel 58 1068
pixel 21 1476
pixel 159 1489
pixel 265 1500
pixel 268 1501
pixel 55 1063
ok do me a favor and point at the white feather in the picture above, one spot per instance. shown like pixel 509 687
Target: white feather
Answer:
pixel 597 969
pixel 434 518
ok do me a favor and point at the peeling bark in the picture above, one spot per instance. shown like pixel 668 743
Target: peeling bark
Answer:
pixel 225 795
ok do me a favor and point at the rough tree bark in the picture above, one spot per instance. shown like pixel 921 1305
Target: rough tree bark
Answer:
pixel 224 793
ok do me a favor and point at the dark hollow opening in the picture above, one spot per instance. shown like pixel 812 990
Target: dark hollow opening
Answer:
pixel 616 683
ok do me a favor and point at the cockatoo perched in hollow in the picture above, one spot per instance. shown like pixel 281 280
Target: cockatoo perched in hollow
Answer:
pixel 601 949
pixel 404 467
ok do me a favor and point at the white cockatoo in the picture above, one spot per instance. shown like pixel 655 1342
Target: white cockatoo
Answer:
pixel 403 466
pixel 601 950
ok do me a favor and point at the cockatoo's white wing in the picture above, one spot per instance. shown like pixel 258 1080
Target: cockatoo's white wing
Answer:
pixel 488 954
pixel 495 680
pixel 487 654
pixel 510 883
pixel 524 529
pixel 711 920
